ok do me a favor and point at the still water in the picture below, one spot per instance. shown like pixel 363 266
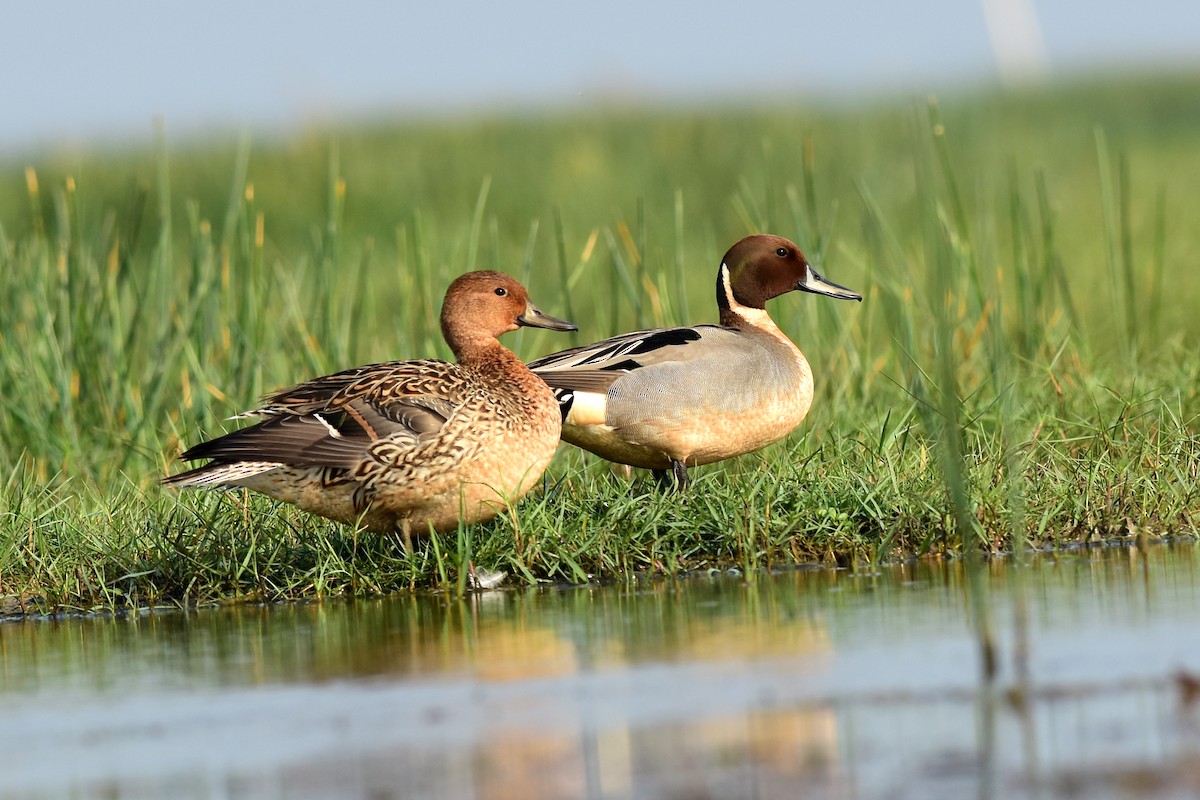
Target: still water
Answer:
pixel 809 683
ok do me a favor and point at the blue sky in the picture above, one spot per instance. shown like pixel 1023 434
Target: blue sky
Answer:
pixel 77 70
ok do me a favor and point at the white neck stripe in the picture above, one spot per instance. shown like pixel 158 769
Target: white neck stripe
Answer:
pixel 757 317
pixel 734 305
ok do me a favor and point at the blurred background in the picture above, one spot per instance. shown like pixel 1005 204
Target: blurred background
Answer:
pixel 76 70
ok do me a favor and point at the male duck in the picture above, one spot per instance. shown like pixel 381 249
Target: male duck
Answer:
pixel 680 397
pixel 406 445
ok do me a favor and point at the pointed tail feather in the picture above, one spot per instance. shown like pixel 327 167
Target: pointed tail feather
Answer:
pixel 218 473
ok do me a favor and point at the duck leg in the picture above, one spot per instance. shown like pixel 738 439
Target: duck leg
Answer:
pixel 677 471
pixel 681 475
pixel 406 537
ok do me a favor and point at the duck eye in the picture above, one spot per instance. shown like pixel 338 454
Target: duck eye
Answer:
pixel 782 252
pixel 501 291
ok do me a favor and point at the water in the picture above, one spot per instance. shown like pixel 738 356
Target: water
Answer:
pixel 810 683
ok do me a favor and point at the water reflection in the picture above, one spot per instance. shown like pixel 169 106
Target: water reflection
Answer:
pixel 829 683
pixel 509 635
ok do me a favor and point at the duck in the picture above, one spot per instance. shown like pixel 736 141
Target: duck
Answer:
pixel 673 398
pixel 405 446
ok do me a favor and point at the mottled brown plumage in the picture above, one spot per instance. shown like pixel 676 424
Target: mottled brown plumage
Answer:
pixel 679 397
pixel 405 445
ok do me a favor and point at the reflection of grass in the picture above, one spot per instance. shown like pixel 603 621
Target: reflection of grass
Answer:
pixel 1023 368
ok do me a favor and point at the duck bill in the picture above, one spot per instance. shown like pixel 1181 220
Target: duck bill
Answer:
pixel 813 282
pixel 534 318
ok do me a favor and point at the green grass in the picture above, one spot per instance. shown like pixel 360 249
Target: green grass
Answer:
pixel 1023 370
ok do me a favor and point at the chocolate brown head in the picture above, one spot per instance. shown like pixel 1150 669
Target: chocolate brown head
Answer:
pixel 764 266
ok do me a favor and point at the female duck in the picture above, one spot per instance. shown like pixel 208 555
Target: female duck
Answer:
pixel 679 397
pixel 406 446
